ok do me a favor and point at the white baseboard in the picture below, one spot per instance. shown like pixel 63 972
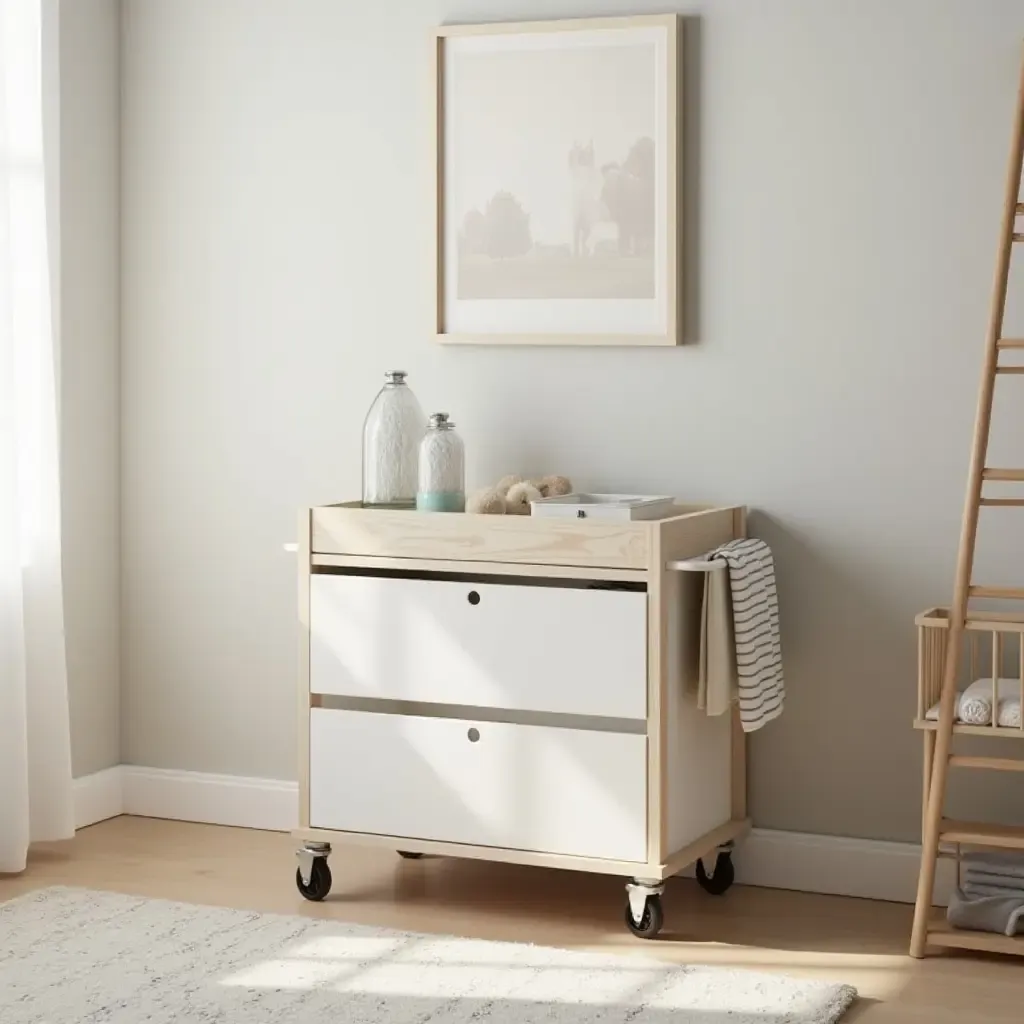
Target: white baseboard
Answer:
pixel 98 796
pixel 836 865
pixel 266 804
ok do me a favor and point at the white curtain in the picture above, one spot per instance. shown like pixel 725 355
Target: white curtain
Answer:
pixel 35 748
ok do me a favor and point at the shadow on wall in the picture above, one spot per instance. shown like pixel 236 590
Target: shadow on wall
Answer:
pixel 849 654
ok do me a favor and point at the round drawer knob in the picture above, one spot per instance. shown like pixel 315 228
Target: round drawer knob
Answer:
pixel 473 598
pixel 474 735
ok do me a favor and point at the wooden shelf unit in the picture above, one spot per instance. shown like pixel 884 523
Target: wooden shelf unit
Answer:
pixel 992 732
pixel 992 639
pixel 943 648
pixel 942 934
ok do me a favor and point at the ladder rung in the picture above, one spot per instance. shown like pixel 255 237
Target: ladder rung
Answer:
pixel 1010 369
pixel 971 833
pixel 1000 593
pixel 998 764
pixel 1018 236
pixel 1020 208
pixel 1003 502
pixel 1002 474
pixel 1010 343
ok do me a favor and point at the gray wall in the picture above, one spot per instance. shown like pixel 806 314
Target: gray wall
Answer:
pixel 844 179
pixel 89 315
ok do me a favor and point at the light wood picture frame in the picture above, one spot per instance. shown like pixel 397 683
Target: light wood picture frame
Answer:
pixel 557 182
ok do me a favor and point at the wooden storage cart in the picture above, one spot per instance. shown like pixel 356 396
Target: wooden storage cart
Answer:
pixel 515 689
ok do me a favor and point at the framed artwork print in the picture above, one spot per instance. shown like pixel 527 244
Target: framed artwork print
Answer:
pixel 557 164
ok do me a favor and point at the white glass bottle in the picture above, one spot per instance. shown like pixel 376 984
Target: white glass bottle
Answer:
pixel 392 433
pixel 442 468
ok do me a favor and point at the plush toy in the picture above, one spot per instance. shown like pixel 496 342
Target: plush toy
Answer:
pixel 553 486
pixel 517 501
pixel 512 495
pixel 507 482
pixel 489 501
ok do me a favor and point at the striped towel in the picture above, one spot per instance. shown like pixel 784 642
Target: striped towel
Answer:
pixel 755 613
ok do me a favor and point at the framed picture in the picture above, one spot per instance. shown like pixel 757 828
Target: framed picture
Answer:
pixel 557 167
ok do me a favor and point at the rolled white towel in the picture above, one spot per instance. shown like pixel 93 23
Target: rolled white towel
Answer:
pixel 976 702
pixel 974 706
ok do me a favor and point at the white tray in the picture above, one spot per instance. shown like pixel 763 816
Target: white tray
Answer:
pixel 603 506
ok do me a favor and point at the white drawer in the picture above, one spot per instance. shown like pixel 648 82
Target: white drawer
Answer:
pixel 530 648
pixel 565 791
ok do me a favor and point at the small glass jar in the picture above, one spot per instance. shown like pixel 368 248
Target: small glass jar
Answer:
pixel 442 468
pixel 392 433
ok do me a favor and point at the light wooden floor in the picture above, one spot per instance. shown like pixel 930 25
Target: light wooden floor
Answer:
pixel 856 941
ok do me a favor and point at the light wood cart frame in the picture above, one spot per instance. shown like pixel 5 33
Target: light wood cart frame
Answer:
pixel 335 537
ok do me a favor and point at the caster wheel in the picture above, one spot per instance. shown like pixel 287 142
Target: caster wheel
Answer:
pixel 319 880
pixel 650 922
pixel 723 877
pixel 409 855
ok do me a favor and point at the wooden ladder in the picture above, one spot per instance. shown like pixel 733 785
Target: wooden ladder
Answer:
pixel 936 829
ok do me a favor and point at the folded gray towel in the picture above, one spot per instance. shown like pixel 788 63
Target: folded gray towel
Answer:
pixel 974 889
pixel 989 878
pixel 995 862
pixel 1002 914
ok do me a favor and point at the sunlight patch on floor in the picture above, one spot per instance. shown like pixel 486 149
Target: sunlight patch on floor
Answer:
pixel 885 975
pixel 439 969
pixel 393 967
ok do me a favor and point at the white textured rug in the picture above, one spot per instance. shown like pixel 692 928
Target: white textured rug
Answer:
pixel 73 956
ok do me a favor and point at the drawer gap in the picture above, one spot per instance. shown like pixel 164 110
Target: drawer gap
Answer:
pixel 551 719
pixel 563 583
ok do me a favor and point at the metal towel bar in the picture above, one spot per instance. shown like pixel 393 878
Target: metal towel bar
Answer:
pixel 698 565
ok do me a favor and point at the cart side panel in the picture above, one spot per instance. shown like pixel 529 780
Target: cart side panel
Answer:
pixel 699 761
